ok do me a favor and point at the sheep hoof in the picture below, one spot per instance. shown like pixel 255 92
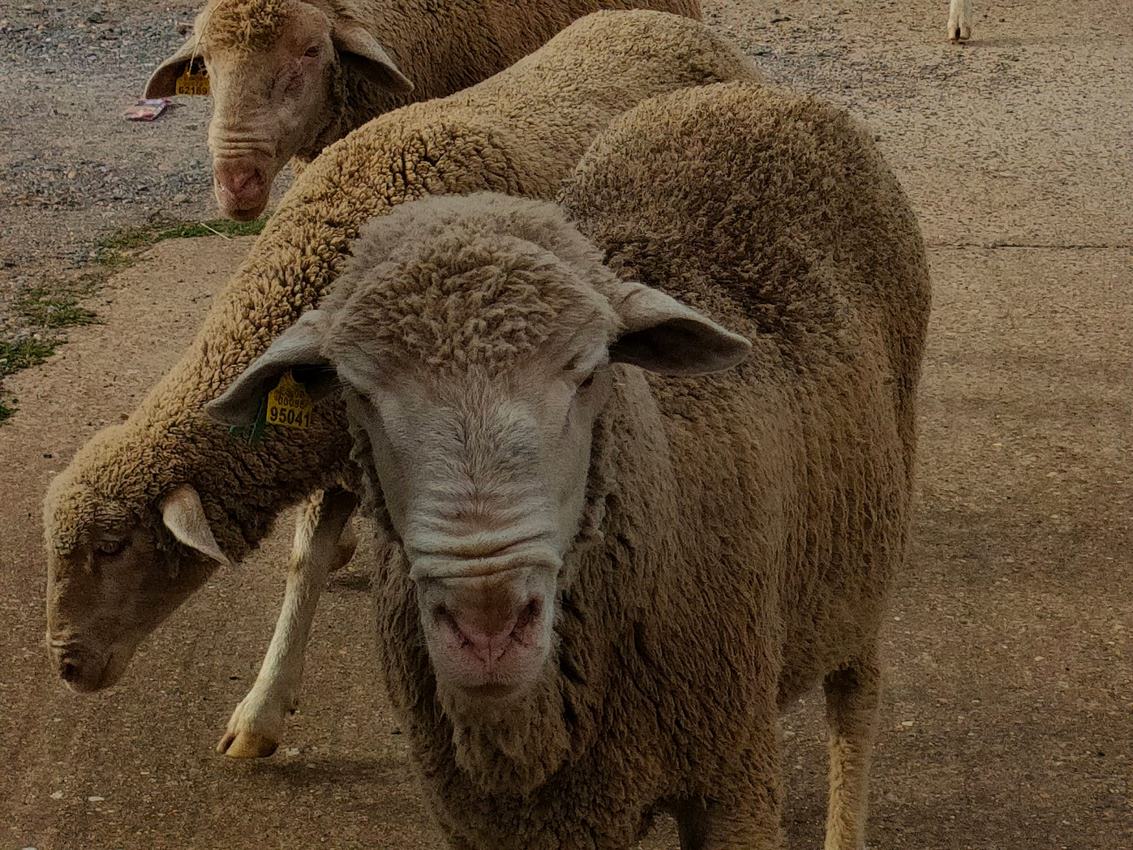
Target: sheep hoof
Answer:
pixel 246 745
pixel 958 32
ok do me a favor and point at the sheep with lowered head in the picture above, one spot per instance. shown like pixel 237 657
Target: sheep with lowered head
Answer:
pixel 609 569
pixel 148 508
pixel 289 77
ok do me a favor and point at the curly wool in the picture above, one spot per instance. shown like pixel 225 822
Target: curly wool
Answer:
pixel 509 300
pixel 752 521
pixel 520 132
pixel 242 26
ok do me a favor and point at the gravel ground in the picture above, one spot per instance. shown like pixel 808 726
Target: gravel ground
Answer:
pixel 74 169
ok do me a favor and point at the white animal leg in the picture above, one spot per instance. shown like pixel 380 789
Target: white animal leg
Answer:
pixel 324 541
pixel 960 20
pixel 852 696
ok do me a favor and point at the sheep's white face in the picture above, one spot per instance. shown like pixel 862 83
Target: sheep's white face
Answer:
pixel 112 585
pixel 271 85
pixel 477 363
pixel 485 479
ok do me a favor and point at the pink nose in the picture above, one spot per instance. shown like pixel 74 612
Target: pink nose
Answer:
pixel 488 620
pixel 243 182
pixel 488 637
pixel 241 188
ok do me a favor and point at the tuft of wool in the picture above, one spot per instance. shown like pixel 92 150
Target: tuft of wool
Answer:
pixel 243 26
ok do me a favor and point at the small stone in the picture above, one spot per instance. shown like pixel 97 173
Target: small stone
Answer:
pixel 908 724
pixel 56 795
pixel 180 198
pixel 292 751
pixel 95 799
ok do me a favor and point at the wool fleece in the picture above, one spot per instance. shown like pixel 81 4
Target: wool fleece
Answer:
pixel 741 530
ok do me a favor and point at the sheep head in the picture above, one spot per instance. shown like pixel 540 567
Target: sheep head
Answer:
pixel 114 571
pixel 474 339
pixel 274 70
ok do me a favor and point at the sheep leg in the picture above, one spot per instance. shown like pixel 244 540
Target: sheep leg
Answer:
pixel 852 695
pixel 747 813
pixel 960 20
pixel 324 542
pixel 716 826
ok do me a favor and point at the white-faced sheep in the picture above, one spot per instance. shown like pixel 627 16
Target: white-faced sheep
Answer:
pixel 156 502
pixel 602 584
pixel 289 77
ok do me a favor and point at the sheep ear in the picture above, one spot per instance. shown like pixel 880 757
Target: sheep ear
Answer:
pixel 297 350
pixel 354 40
pixel 664 336
pixel 184 515
pixel 163 81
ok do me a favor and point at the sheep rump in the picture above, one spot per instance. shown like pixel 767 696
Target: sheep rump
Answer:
pixel 745 527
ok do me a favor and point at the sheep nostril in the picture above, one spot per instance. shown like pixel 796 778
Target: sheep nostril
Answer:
pixel 69 671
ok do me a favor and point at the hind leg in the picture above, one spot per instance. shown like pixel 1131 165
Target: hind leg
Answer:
pixel 324 542
pixel 852 695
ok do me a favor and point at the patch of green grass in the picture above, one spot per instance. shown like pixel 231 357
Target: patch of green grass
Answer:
pixel 19 354
pixel 50 309
pixel 53 310
pixel 117 251
pixel 23 353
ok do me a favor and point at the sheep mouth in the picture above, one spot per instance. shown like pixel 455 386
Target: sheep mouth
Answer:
pixel 85 673
pixel 246 213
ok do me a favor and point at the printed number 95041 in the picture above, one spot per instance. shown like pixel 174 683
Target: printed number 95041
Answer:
pixel 289 416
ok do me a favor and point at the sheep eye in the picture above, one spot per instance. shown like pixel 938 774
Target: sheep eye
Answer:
pixel 585 385
pixel 312 51
pixel 110 547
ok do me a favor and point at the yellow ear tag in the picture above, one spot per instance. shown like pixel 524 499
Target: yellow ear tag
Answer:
pixel 194 80
pixel 289 404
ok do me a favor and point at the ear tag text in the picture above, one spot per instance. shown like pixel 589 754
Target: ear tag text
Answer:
pixel 194 80
pixel 289 404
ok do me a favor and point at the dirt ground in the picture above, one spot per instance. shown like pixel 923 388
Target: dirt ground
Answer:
pixel 1008 720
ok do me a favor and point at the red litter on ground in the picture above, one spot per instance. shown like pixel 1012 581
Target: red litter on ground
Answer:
pixel 148 108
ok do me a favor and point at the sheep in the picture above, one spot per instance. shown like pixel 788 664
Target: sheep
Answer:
pixel 605 575
pixel 959 20
pixel 158 502
pixel 289 77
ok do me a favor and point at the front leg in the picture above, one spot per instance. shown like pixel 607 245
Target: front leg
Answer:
pixel 324 541
pixel 960 20
pixel 745 812
pixel 749 824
